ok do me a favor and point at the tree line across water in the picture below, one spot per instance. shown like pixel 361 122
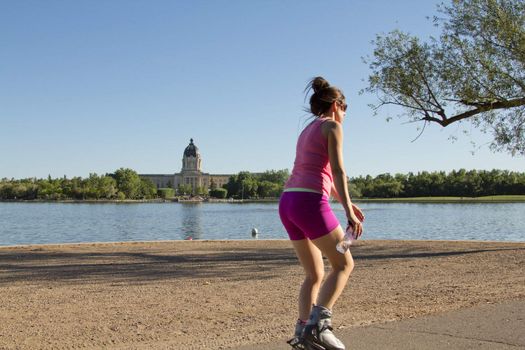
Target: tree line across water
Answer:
pixel 457 183
pixel 120 185
pixel 127 184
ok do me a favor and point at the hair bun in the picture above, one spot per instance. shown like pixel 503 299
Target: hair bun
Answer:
pixel 324 95
pixel 319 83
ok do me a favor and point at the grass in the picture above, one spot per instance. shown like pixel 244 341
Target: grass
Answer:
pixel 485 199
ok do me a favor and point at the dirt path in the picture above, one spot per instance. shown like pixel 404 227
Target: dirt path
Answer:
pixel 218 294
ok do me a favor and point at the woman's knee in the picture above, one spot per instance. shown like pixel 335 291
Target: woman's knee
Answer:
pixel 344 265
pixel 315 276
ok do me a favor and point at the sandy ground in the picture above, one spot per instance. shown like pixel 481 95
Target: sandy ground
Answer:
pixel 220 294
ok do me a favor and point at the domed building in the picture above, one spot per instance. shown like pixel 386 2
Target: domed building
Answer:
pixel 190 174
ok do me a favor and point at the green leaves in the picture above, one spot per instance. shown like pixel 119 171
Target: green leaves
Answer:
pixel 123 184
pixel 475 69
pixel 128 182
pixel 461 183
pixel 248 185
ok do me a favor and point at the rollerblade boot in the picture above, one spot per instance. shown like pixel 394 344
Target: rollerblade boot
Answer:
pixel 318 331
pixel 297 341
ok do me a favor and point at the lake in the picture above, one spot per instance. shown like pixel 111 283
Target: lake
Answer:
pixel 39 223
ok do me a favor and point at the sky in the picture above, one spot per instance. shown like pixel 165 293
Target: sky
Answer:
pixel 92 86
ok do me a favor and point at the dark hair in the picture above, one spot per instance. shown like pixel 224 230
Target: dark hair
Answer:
pixel 324 95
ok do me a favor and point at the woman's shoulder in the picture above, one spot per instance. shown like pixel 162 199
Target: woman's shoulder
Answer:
pixel 330 125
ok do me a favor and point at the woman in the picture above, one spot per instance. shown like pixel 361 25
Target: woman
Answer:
pixel 307 217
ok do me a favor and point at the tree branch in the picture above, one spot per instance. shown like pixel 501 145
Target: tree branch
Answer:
pixel 431 93
pixel 401 104
pixel 485 107
pixel 421 133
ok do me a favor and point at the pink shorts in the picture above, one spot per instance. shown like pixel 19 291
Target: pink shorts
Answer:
pixel 306 215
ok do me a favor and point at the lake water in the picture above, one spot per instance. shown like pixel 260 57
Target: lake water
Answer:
pixel 37 223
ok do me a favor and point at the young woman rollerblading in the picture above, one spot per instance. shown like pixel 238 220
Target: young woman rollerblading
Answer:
pixel 313 229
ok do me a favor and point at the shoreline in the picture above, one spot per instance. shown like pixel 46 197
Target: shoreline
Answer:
pixel 226 241
pixel 196 294
pixel 417 200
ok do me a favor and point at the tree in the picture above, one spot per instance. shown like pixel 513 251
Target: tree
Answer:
pixel 184 189
pixel 275 176
pixel 77 189
pixel 7 191
pixel 108 187
pixel 147 190
pixel 243 185
pixel 128 183
pixel 201 191
pixel 269 189
pixel 50 189
pixel 354 190
pixel 474 72
pixel 93 187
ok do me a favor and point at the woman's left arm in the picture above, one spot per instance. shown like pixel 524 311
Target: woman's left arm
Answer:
pixel 334 133
pixel 335 194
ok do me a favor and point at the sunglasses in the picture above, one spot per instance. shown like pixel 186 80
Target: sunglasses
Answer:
pixel 343 105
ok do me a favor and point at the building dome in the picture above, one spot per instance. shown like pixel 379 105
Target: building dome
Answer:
pixel 191 150
pixel 191 160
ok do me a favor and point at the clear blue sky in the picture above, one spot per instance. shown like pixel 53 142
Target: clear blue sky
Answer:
pixel 92 86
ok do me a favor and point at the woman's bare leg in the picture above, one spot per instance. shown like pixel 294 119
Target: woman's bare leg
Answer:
pixel 342 265
pixel 312 261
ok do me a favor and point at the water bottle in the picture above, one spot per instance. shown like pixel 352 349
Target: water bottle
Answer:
pixel 347 241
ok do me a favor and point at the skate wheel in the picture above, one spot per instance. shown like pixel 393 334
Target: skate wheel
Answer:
pixel 296 343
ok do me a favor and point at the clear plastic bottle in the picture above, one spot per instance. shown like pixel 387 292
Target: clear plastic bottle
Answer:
pixel 347 241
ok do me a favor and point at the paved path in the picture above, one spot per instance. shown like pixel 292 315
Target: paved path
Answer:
pixel 494 327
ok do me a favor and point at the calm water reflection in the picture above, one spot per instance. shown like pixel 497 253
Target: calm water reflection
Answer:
pixel 191 220
pixel 31 223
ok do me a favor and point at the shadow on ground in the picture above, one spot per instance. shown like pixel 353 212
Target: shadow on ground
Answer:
pixel 145 266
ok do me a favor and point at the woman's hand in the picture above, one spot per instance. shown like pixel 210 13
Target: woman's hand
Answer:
pixel 358 212
pixel 356 219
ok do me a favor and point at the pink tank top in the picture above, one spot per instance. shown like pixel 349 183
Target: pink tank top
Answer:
pixel 311 168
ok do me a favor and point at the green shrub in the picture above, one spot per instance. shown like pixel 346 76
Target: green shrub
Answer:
pixel 218 193
pixel 166 192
